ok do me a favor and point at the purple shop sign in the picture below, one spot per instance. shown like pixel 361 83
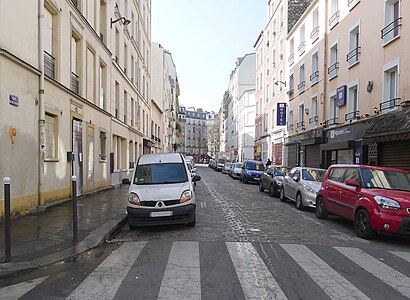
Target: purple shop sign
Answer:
pixel 281 114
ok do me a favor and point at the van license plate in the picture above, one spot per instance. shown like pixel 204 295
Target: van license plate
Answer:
pixel 160 214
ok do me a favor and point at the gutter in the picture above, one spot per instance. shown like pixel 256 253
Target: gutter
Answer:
pixel 41 120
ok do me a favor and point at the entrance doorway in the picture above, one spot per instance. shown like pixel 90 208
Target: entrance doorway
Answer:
pixel 77 169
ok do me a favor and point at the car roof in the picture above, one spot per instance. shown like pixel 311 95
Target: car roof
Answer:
pixel 157 158
pixel 367 167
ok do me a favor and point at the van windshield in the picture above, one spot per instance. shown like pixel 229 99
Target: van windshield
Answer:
pixel 160 174
pixel 255 166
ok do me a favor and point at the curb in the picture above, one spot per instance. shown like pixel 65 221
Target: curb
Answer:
pixel 95 239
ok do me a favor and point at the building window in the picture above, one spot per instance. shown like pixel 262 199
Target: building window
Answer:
pixel 302 83
pixel 101 86
pixel 90 83
pixel 117 45
pixel 125 107
pixel 49 40
pixel 273 118
pixel 290 121
pixel 313 120
pixel 390 87
pixel 314 77
pixel 125 59
pixel 332 111
pixel 302 44
pixel 291 58
pixel 301 123
pixel 75 63
pixel 354 48
pixel 392 20
pixel 315 25
pixel 132 111
pixel 352 103
pixel 267 93
pixel 51 128
pixel 103 140
pixel 117 100
pixel 334 13
pixel 333 69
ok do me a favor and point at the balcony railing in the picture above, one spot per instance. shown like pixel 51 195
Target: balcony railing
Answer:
pixel 301 86
pixel 75 2
pixel 331 121
pixel 389 104
pixel 351 3
pixel 313 120
pixel 315 33
pixel 49 65
pixel 74 83
pixel 291 58
pixel 333 69
pixel 352 116
pixel 353 56
pixel 393 26
pixel 314 78
pixel 334 19
pixel 290 127
pixel 301 125
pixel 302 47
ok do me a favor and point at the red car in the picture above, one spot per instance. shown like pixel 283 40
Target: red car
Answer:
pixel 375 198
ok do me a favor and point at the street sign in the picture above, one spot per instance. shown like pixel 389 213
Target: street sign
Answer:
pixel 235 152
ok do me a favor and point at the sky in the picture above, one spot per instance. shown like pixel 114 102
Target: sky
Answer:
pixel 205 38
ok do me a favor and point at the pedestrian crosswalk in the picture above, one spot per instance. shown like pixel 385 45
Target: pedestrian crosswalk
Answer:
pixel 238 270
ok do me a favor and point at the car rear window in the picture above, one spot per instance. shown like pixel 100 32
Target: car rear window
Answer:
pixel 160 174
pixel 391 180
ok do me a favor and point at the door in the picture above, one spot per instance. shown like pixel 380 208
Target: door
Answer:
pixel 334 189
pixel 90 158
pixel 349 195
pixel 77 169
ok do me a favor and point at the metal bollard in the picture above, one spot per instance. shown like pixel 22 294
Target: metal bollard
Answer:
pixel 75 220
pixel 7 235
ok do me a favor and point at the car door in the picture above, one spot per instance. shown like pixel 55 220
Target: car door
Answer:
pixel 287 181
pixel 334 188
pixel 349 195
pixel 293 184
pixel 266 177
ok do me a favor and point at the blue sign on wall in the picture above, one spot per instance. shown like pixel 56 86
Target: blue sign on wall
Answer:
pixel 13 100
pixel 341 96
pixel 281 114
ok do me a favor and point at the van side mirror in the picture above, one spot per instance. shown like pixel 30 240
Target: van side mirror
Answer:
pixel 352 182
pixel 196 178
pixel 126 181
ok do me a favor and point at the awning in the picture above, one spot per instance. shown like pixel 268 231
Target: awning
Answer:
pixel 393 126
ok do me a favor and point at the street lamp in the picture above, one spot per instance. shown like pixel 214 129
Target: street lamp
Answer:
pixel 125 21
pixel 282 82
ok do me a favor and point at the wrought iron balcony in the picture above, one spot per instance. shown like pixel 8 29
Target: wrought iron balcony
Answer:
pixel 74 83
pixel 333 69
pixel 301 125
pixel 352 116
pixel 49 65
pixel 301 86
pixel 315 33
pixel 290 127
pixel 393 26
pixel 334 19
pixel 353 56
pixel 351 3
pixel 313 120
pixel 291 58
pixel 389 104
pixel 331 121
pixel 302 46
pixel 314 78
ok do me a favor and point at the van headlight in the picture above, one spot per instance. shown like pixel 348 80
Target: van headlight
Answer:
pixel 387 202
pixel 185 196
pixel 134 199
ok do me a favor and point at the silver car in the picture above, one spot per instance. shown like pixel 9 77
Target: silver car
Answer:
pixel 301 185
pixel 236 170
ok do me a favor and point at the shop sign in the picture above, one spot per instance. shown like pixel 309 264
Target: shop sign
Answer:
pixel 281 114
pixel 340 132
pixel 14 100
pixel 341 96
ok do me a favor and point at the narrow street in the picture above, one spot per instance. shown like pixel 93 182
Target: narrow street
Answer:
pixel 245 245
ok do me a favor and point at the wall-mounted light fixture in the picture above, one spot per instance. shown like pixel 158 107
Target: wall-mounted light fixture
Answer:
pixel 125 21
pixel 282 82
pixel 307 111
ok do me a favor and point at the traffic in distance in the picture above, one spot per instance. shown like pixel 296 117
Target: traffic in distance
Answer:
pixel 375 199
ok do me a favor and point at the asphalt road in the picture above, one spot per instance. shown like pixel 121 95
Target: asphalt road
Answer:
pixel 245 245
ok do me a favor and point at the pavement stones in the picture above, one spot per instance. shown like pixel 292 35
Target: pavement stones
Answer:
pixel 45 238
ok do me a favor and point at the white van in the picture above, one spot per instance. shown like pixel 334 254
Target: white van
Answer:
pixel 161 191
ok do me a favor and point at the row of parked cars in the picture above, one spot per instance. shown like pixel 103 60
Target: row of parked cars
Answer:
pixel 376 199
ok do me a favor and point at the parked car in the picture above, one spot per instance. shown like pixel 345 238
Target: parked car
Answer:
pixel 374 198
pixel 211 164
pixel 271 180
pixel 301 186
pixel 161 191
pixel 236 170
pixel 252 170
pixel 226 168
pixel 220 163
pixel 191 169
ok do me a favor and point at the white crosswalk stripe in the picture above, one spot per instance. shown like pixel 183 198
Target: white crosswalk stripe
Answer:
pixel 382 271
pixel 18 290
pixel 332 283
pixel 182 278
pixel 256 280
pixel 403 255
pixel 105 280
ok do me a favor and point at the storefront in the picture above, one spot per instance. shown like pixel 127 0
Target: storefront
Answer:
pixel 147 144
pixel 387 140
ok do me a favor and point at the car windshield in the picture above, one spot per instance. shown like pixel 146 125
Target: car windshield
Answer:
pixel 383 179
pixel 221 161
pixel 277 172
pixel 313 175
pixel 160 174
pixel 238 165
pixel 228 164
pixel 255 166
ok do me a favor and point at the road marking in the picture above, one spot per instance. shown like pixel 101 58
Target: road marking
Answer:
pixel 105 280
pixel 18 290
pixel 403 255
pixel 332 283
pixel 182 277
pixel 256 280
pixel 382 271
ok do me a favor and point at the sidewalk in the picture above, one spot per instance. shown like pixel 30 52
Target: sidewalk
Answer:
pixel 47 237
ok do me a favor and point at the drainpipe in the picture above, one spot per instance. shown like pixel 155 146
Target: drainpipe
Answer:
pixel 325 77
pixel 41 121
